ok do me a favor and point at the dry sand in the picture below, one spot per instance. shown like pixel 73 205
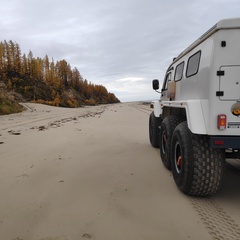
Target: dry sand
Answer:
pixel 90 173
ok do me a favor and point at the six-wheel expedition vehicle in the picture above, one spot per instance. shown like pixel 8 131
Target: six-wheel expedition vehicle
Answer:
pixel 196 122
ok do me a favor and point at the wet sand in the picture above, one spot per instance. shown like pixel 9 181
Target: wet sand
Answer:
pixel 91 173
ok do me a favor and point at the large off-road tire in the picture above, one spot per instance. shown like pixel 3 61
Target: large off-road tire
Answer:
pixel 197 168
pixel 154 123
pixel 167 127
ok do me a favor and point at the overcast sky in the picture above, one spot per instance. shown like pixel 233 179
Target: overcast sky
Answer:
pixel 121 44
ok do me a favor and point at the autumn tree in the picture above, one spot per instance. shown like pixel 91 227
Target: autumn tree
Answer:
pixel 46 81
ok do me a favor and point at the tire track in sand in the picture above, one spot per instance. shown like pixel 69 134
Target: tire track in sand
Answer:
pixel 218 223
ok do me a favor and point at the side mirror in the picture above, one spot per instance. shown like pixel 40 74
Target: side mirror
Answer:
pixel 155 84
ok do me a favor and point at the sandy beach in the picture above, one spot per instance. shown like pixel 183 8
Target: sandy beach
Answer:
pixel 91 173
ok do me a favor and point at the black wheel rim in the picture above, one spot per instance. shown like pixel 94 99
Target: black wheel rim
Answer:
pixel 178 157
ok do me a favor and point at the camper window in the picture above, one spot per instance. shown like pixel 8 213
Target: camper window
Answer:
pixel 179 72
pixel 193 64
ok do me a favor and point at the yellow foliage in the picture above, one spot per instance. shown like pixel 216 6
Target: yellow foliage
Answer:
pixel 56 101
pixel 90 102
pixel 70 103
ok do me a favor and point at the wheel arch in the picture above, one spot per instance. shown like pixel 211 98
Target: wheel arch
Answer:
pixel 193 111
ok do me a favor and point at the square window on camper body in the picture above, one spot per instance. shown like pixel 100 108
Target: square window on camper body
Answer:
pixel 193 64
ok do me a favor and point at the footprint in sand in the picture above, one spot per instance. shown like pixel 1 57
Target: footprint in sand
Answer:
pixel 87 235
pixel 13 132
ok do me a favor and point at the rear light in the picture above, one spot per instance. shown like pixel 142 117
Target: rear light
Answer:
pixel 218 142
pixel 222 121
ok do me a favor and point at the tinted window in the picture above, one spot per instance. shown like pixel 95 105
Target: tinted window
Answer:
pixel 167 79
pixel 193 64
pixel 179 72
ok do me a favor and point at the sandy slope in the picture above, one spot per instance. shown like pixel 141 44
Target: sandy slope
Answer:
pixel 71 174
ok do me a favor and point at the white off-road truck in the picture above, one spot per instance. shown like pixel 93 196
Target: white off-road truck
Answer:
pixel 196 122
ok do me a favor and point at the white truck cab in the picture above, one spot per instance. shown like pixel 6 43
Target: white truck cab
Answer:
pixel 196 122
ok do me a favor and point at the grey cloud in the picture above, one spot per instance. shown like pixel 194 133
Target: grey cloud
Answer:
pixel 111 40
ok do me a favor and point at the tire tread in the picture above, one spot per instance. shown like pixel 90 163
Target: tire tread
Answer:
pixel 203 166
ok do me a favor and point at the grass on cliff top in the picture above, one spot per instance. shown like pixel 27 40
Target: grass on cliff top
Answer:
pixel 8 106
